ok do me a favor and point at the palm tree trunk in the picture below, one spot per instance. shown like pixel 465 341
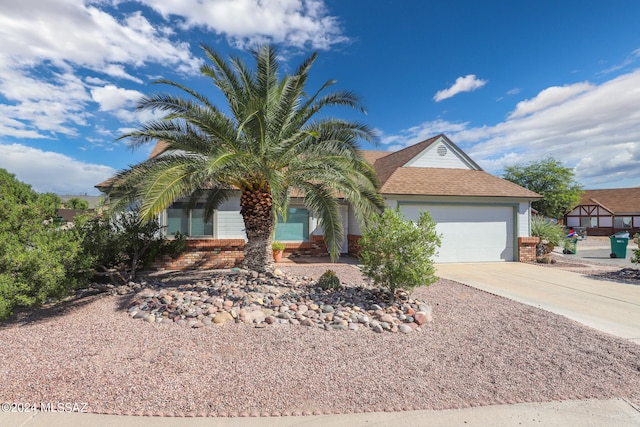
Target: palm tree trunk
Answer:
pixel 255 208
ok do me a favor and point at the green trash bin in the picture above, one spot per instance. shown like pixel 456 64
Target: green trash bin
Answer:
pixel 619 243
pixel 570 245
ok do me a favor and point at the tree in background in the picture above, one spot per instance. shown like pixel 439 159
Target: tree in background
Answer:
pixel 550 179
pixel 76 203
pixel 15 191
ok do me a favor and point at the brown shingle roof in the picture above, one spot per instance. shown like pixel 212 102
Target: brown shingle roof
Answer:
pixel 105 184
pixel 615 200
pixel 396 179
pixel 452 182
pixel 387 165
pixel 158 149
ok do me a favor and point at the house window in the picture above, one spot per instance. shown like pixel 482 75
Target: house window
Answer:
pixel 622 222
pixel 189 223
pixel 295 228
pixel 589 221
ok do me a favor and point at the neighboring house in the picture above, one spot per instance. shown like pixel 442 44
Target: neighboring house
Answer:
pixel 94 201
pixel 481 217
pixel 67 215
pixel 604 212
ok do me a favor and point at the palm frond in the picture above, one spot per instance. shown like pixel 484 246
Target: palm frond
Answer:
pixel 321 200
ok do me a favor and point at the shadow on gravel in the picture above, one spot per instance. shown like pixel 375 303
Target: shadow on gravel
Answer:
pixel 24 316
pixel 625 276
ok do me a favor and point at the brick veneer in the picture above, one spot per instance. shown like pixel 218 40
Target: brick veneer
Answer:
pixel 227 253
pixel 527 248
pixel 354 247
pixel 204 254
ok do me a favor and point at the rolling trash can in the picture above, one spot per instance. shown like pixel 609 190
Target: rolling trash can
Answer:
pixel 619 242
pixel 570 245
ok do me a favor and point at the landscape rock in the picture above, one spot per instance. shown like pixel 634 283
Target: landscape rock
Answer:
pixel 263 299
pixel 222 317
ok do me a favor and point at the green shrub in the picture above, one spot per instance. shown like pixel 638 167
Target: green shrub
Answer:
pixel 38 260
pixel 329 280
pixel 122 244
pixel 398 254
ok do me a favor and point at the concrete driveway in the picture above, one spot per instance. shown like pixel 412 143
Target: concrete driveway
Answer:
pixel 607 306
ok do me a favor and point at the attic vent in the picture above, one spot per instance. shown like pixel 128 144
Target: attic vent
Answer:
pixel 442 150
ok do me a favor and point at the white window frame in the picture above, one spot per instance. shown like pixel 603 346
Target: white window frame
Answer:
pixel 190 223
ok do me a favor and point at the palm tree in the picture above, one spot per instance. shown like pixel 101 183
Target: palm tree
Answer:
pixel 269 144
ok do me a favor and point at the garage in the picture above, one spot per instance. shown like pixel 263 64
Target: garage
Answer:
pixel 470 233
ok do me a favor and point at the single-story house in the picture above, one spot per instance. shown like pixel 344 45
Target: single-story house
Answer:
pixel 481 217
pixel 608 211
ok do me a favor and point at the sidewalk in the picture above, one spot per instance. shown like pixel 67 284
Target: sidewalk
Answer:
pixel 615 412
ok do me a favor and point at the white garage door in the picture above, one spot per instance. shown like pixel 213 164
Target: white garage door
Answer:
pixel 470 233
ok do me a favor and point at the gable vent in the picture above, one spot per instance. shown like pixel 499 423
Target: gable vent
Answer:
pixel 442 150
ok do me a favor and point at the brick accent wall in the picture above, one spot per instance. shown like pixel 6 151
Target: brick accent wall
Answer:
pixel 527 248
pixel 226 253
pixel 314 247
pixel 205 254
pixel 354 248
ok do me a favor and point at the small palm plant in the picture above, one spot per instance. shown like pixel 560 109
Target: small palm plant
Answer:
pixel 550 233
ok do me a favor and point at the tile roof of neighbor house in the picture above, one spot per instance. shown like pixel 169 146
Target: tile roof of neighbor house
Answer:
pixel 396 179
pixel 615 200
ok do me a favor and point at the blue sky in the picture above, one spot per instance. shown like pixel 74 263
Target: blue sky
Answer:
pixel 509 82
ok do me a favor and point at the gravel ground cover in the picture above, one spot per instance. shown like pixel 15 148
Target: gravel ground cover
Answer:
pixel 480 349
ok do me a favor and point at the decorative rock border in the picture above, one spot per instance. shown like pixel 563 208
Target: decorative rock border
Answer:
pixel 242 296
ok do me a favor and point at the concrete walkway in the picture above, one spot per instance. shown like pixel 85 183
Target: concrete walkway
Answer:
pixel 614 412
pixel 607 306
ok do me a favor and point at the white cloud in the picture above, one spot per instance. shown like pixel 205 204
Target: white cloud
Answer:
pixel 112 98
pixel 549 97
pixel 72 33
pixel 419 133
pixel 594 128
pixel 296 23
pixel 47 171
pixel 41 107
pixel 47 45
pixel 467 83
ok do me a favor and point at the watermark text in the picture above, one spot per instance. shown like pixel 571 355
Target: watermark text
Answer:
pixel 44 407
